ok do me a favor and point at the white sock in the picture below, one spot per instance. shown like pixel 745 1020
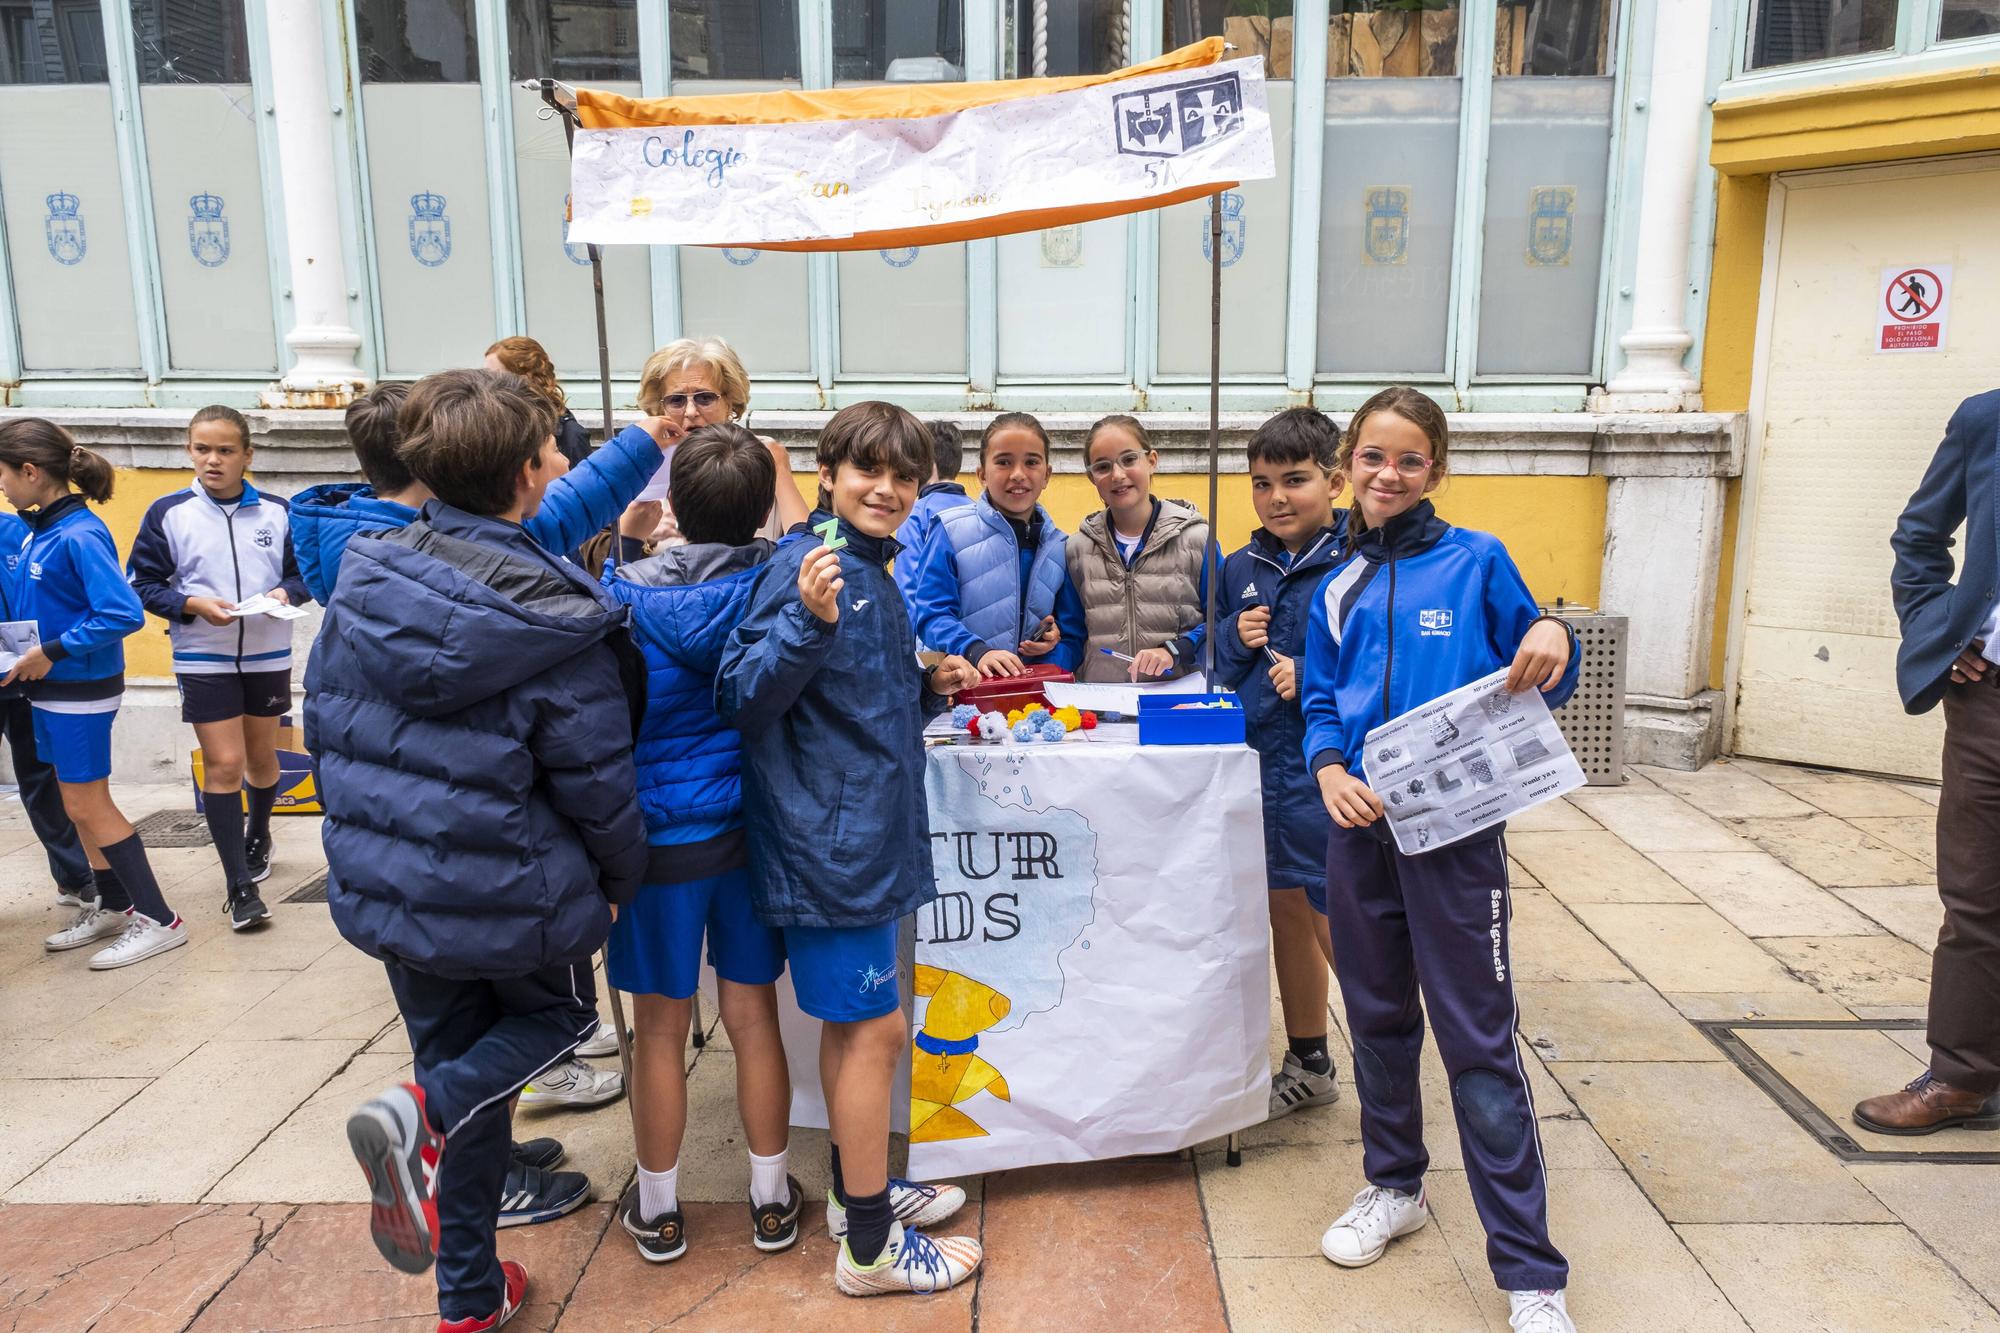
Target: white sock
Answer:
pixel 767 1179
pixel 659 1191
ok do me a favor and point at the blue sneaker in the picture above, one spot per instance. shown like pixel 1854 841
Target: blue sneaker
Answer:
pixel 533 1195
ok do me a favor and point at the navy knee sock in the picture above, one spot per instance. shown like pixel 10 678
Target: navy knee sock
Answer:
pixel 225 826
pixel 1312 1053
pixel 111 895
pixel 262 799
pixel 128 860
pixel 839 1184
pixel 868 1221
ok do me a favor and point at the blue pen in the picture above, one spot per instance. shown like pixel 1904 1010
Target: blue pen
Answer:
pixel 1112 652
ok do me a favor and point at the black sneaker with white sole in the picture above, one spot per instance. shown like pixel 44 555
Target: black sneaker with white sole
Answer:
pixel 257 855
pixel 246 908
pixel 533 1195
pixel 661 1239
pixel 775 1226
pixel 548 1154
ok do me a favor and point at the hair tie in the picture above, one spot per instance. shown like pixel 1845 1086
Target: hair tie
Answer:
pixel 76 453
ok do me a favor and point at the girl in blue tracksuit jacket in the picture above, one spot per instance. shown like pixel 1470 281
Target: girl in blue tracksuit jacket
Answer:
pixel 71 586
pixel 1417 609
pixel 199 553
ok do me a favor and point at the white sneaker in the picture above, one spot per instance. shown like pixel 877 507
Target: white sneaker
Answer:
pixel 92 924
pixel 1358 1237
pixel 1294 1086
pixel 574 1083
pixel 1539 1312
pixel 76 897
pixel 912 1204
pixel 910 1261
pixel 143 938
pixel 602 1042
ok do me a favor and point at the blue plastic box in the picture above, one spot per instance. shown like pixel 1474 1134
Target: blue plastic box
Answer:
pixel 1162 723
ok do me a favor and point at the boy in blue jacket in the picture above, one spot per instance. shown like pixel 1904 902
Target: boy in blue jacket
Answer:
pixel 1267 594
pixel 470 704
pixel 940 493
pixel 685 602
pixel 822 679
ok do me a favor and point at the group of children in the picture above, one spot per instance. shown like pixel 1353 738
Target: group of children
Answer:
pixel 714 751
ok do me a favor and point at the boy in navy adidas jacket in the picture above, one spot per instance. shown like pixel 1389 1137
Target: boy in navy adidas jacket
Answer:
pixel 1418 609
pixel 198 554
pixel 1267 593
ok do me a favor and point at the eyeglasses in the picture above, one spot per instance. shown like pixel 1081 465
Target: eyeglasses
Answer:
pixel 1104 467
pixel 1407 465
pixel 677 402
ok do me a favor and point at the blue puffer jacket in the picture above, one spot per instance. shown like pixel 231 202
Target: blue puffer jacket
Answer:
pixel 326 518
pixel 915 531
pixel 832 718
pixel 70 582
pixel 1295 819
pixel 470 706
pixel 13 553
pixel 981 588
pixel 1419 610
pixel 685 601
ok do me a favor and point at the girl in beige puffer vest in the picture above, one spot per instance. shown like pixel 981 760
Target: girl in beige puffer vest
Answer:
pixel 1137 564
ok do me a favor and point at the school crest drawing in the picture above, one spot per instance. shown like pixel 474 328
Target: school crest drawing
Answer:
pixel 739 256
pixel 1233 230
pixel 1179 118
pixel 578 254
pixel 1062 247
pixel 64 229
pixel 901 257
pixel 1385 231
pixel 430 229
pixel 208 230
pixel 1551 225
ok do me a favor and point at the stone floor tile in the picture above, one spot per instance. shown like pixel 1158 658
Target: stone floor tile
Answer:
pixel 344 994
pixel 1864 799
pixel 1792 776
pixel 60 987
pixel 1552 817
pixel 714 1165
pixel 43 1116
pixel 599 1140
pixel 1727 790
pixel 1681 947
pixel 1913 912
pixel 297 936
pixel 306 1158
pixel 1761 895
pixel 236 1092
pixel 1951 1208
pixel 1927 792
pixel 1415 1288
pixel 1591 1020
pixel 1836 1068
pixel 1044 1228
pixel 1549 944
pixel 1912 835
pixel 1872 969
pixel 1594 867
pixel 1707 1146
pixel 155 1025
pixel 1796 1000
pixel 1829 1277
pixel 1243 1202
pixel 1628 1270
pixel 1657 822
pixel 144 1268
pixel 1833 853
pixel 322 1272
pixel 1519 878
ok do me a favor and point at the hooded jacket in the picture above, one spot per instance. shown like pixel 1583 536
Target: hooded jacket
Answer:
pixel 470 705
pixel 69 582
pixel 685 602
pixel 932 500
pixel 578 503
pixel 1156 601
pixel 191 545
pixel 832 719
pixel 986 581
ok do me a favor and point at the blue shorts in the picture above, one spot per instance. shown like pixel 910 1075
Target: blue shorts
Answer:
pixel 76 745
pixel 655 945
pixel 1316 895
pixel 844 974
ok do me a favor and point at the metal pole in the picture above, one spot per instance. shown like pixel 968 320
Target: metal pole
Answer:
pixel 568 114
pixel 1214 426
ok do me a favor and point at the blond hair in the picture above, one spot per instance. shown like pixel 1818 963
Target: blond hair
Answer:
pixel 713 355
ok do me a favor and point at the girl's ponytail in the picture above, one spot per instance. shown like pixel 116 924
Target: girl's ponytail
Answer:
pixel 89 473
pixel 51 449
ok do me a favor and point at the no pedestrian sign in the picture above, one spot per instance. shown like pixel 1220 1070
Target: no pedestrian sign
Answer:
pixel 1911 308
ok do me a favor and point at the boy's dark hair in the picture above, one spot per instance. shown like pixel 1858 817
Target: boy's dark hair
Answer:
pixel 947 449
pixel 371 430
pixel 468 433
pixel 1297 435
pixel 1002 422
pixel 220 412
pixel 871 435
pixel 722 484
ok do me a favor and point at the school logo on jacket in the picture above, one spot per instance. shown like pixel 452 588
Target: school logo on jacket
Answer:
pixel 64 229
pixel 1385 231
pixel 208 230
pixel 264 536
pixel 1233 230
pixel 35 569
pixel 1434 623
pixel 1177 119
pixel 430 229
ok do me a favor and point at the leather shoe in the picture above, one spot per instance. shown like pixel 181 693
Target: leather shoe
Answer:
pixel 1926 1106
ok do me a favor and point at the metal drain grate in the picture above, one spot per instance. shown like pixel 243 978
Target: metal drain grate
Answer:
pixel 1807 1112
pixel 174 828
pixel 1593 721
pixel 312 891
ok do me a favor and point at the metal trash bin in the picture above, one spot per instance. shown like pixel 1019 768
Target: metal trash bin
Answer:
pixel 1593 721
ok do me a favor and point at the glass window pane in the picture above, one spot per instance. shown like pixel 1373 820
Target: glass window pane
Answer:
pixel 1389 189
pixel 1054 38
pixel 52 41
pixel 1785 32
pixel 577 41
pixel 734 40
pixel 1253 27
pixel 417 41
pixel 1548 156
pixel 898 41
pixel 1968 18
pixel 190 41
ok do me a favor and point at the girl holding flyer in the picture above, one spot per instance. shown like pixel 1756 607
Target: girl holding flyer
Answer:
pixel 1417 609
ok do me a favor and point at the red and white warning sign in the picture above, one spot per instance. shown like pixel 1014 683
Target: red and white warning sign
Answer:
pixel 1911 308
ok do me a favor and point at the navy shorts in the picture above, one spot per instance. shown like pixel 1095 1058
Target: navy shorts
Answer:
pixel 76 745
pixel 844 974
pixel 229 694
pixel 655 945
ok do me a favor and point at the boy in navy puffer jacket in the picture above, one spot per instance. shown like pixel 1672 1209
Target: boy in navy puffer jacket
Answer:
pixel 470 703
pixel 685 601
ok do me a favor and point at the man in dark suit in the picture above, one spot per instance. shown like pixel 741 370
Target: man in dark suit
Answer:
pixel 1951 652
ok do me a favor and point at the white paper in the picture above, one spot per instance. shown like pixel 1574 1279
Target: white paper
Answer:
pixel 656 489
pixel 1467 761
pixel 263 604
pixel 16 638
pixel 1113 697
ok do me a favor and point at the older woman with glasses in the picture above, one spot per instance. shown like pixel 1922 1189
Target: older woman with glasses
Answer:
pixel 696 382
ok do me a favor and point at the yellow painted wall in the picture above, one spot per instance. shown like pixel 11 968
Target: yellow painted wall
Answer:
pixel 147 653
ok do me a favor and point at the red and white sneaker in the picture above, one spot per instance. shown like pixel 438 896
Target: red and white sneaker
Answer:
pixel 510 1303
pixel 400 1153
